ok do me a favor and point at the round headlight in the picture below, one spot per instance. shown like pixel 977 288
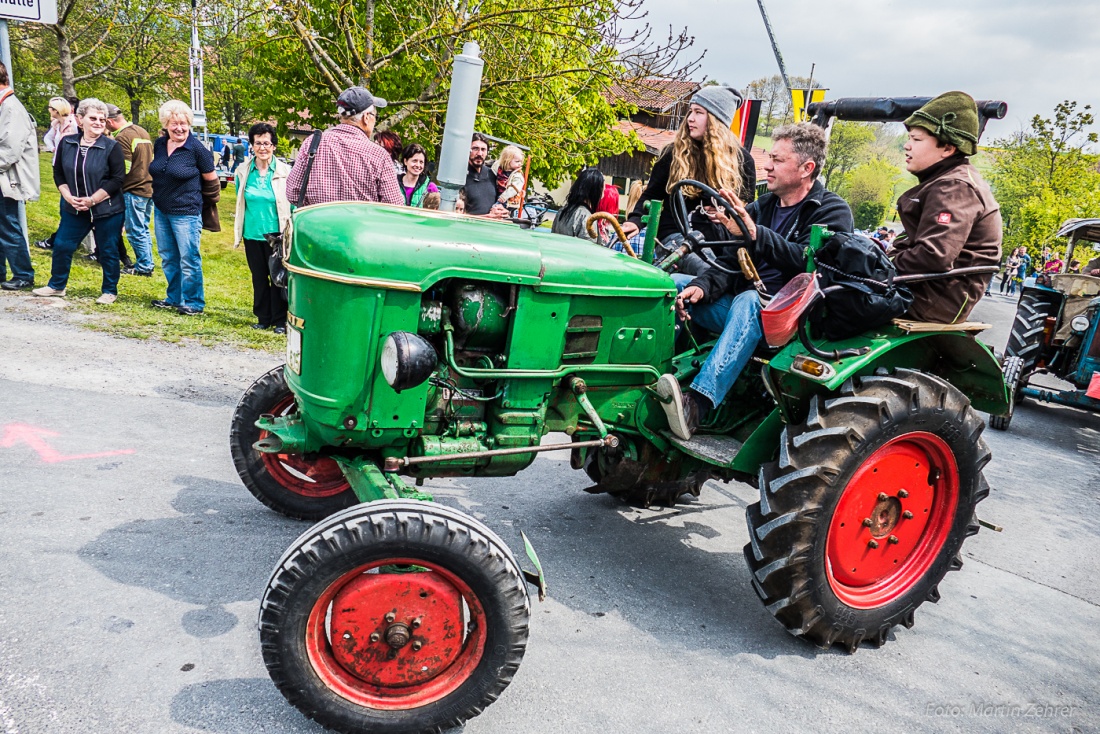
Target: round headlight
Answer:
pixel 407 360
pixel 1079 323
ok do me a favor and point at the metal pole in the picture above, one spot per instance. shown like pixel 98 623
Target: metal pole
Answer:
pixel 459 125
pixel 5 56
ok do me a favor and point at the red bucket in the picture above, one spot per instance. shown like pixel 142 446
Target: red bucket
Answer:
pixel 780 316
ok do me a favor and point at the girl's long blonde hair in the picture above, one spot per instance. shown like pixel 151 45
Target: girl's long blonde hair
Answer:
pixel 714 160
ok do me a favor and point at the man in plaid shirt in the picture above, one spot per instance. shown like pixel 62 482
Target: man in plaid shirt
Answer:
pixel 348 166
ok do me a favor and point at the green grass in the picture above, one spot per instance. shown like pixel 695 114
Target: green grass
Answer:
pixel 228 285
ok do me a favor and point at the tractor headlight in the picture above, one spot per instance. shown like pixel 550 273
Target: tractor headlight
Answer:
pixel 407 360
pixel 1079 323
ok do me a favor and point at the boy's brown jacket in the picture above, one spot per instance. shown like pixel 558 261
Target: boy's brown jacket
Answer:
pixel 951 221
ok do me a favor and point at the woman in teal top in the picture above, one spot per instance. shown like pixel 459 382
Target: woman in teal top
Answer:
pixel 262 209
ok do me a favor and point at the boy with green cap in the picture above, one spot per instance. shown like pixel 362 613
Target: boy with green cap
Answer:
pixel 950 217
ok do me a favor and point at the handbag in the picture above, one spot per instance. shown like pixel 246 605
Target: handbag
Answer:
pixel 276 267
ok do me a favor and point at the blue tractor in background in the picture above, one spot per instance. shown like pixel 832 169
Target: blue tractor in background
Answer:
pixel 1057 331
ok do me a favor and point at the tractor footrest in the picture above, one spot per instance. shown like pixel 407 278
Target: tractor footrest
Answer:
pixel 713 449
pixel 912 327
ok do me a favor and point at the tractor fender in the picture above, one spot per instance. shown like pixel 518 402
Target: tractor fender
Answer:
pixel 956 356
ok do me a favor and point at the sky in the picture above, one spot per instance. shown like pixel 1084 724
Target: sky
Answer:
pixel 1032 54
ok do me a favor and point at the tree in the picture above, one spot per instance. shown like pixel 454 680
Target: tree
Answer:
pixel 1044 175
pixel 158 38
pixel 849 144
pixel 547 65
pixel 869 188
pixel 771 93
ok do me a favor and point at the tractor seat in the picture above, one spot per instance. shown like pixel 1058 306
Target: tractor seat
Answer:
pixel 916 327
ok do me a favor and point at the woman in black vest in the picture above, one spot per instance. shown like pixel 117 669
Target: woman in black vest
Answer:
pixel 88 170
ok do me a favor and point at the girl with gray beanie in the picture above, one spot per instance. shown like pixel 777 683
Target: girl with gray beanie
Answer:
pixel 705 149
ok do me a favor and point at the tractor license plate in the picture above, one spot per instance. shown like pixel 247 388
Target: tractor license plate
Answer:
pixel 294 349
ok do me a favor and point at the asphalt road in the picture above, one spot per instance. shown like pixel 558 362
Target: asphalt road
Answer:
pixel 134 559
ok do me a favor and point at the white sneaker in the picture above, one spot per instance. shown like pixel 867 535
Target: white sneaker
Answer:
pixel 106 299
pixel 45 291
pixel 672 400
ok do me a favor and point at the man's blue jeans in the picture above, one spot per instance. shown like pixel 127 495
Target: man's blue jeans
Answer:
pixel 71 231
pixel 139 211
pixel 178 237
pixel 13 248
pixel 737 320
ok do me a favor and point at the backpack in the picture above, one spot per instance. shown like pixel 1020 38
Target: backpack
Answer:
pixel 869 298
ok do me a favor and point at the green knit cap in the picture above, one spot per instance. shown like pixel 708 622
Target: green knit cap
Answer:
pixel 952 118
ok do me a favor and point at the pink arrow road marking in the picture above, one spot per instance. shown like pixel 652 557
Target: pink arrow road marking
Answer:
pixel 15 433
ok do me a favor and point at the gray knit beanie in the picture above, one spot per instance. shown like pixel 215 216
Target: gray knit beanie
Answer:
pixel 722 102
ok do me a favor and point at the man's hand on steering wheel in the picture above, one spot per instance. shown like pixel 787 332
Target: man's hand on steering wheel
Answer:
pixel 718 215
pixel 691 294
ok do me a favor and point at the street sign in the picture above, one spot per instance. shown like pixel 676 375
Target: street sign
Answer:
pixel 200 117
pixel 33 11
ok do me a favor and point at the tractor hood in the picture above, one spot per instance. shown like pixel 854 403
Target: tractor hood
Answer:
pixel 403 248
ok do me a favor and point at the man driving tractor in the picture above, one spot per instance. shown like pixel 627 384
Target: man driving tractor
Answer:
pixel 779 225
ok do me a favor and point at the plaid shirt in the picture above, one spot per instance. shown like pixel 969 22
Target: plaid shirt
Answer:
pixel 348 167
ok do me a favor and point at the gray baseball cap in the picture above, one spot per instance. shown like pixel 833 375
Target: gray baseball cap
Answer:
pixel 113 112
pixel 354 100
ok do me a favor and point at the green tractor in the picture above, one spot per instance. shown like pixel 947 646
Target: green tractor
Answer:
pixel 424 344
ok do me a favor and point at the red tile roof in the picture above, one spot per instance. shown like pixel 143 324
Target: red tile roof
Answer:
pixel 653 94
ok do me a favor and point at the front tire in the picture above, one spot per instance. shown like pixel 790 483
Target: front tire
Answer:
pixel 1012 368
pixel 301 487
pixel 867 507
pixel 395 616
pixel 1026 338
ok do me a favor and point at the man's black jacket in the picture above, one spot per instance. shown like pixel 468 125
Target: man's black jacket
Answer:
pixel 778 256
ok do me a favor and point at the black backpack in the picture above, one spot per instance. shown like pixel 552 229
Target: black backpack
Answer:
pixel 869 298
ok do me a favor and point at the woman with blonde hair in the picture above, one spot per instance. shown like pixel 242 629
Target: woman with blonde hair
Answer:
pixel 510 183
pixel 180 165
pixel 705 149
pixel 62 123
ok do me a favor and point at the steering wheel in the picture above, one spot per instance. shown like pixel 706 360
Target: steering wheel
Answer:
pixel 683 222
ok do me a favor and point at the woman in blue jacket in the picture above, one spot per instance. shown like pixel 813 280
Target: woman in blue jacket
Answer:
pixel 88 170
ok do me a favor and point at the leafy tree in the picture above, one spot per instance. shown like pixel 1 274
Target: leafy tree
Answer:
pixel 159 36
pixel 869 188
pixel 868 214
pixel 772 95
pixel 850 143
pixel 547 65
pixel 1045 175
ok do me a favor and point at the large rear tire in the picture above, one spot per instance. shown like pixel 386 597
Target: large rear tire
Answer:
pixel 302 487
pixel 867 507
pixel 1026 338
pixel 394 616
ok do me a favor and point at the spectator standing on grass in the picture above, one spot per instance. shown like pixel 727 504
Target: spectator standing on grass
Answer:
pixel 18 182
pixel 415 184
pixel 180 165
pixel 481 187
pixel 348 165
pixel 137 187
pixel 62 123
pixel 262 209
pixel 88 170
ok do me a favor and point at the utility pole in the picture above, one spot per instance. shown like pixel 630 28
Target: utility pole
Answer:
pixel 775 46
pixel 198 104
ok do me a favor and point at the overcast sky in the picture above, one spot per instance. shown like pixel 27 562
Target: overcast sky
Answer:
pixel 1030 53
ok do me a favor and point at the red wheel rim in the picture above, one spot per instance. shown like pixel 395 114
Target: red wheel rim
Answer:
pixel 393 640
pixel 892 520
pixel 318 478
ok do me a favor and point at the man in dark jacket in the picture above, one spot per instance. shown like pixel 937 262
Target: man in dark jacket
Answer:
pixel 950 217
pixel 481 186
pixel 779 225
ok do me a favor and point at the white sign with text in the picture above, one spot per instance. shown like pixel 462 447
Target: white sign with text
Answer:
pixel 34 11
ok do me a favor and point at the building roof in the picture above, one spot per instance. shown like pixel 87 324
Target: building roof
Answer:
pixel 654 93
pixel 654 139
